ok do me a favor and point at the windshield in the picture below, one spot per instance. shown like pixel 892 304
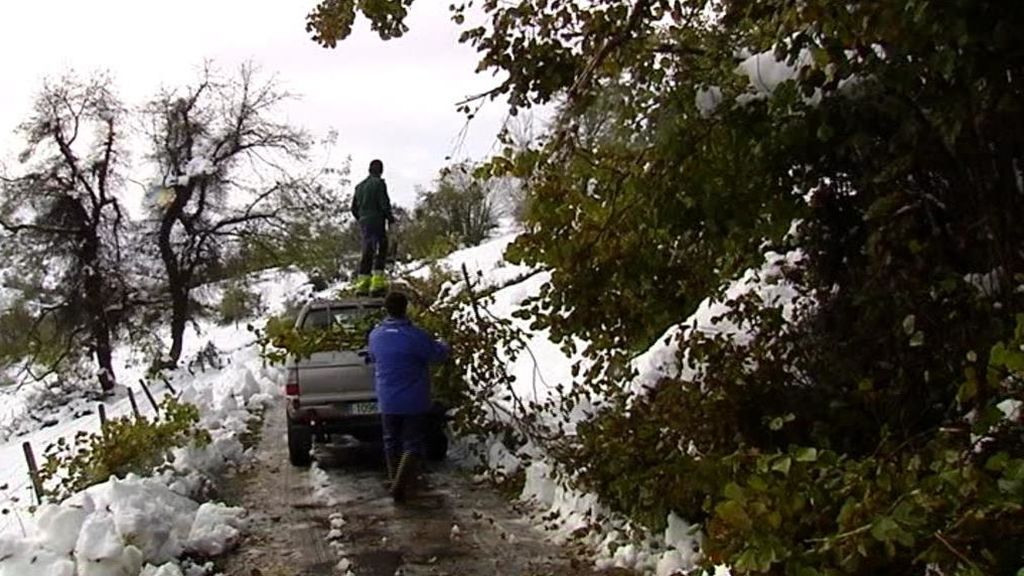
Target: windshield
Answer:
pixel 348 317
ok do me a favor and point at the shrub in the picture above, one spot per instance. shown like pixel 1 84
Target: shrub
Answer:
pixel 791 477
pixel 124 446
pixel 26 337
pixel 238 303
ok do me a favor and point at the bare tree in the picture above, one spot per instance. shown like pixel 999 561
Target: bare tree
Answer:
pixel 62 219
pixel 224 171
pixel 465 203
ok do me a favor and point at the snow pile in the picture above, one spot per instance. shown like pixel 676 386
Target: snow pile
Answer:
pixel 708 100
pixel 662 361
pixel 145 525
pixel 766 72
pixel 7 295
pixel 568 513
pixel 116 528
pixel 323 487
pixel 484 263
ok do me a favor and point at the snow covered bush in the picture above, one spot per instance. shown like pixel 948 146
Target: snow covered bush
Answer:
pixel 854 434
pixel 795 475
pixel 124 446
pixel 238 303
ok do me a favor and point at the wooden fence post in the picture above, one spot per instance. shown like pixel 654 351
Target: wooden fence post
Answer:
pixel 33 471
pixel 135 405
pixel 149 395
pixel 102 409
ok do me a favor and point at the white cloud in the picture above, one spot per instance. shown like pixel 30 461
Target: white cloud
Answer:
pixel 394 100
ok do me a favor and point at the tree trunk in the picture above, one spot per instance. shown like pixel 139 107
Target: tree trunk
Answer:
pixel 179 318
pixel 178 280
pixel 103 352
pixel 96 311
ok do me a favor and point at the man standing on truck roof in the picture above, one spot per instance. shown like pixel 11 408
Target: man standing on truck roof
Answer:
pixel 402 354
pixel 372 209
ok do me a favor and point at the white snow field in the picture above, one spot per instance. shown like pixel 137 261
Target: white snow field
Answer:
pixel 131 526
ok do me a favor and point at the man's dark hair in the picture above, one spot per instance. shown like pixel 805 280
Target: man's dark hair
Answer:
pixel 376 167
pixel 396 304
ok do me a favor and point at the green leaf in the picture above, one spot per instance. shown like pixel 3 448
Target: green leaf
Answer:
pixel 820 56
pixel 997 355
pixel 757 483
pixel 733 491
pixel 782 465
pixel 884 529
pixel 806 454
pixel 968 390
pixel 807 571
pixel 732 513
pixel 997 462
pixel 917 340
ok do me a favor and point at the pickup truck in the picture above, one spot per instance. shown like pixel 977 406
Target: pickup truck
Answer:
pixel 332 391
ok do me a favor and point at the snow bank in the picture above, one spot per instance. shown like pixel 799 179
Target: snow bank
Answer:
pixel 115 528
pixel 662 359
pixel 144 525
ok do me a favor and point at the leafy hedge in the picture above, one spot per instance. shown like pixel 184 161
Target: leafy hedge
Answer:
pixel 125 445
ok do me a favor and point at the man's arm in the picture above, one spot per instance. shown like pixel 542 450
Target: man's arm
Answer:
pixel 434 350
pixel 385 203
pixel 355 204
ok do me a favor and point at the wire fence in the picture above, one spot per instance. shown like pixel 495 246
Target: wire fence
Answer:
pixel 18 497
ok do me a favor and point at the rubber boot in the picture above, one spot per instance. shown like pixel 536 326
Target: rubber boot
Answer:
pixel 362 285
pixel 405 477
pixel 378 283
pixel 391 461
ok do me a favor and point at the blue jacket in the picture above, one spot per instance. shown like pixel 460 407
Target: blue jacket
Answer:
pixel 401 354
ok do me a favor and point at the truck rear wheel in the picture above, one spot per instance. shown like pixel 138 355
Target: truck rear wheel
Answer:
pixel 436 444
pixel 300 444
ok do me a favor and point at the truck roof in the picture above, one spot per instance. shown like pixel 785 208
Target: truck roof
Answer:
pixel 347 302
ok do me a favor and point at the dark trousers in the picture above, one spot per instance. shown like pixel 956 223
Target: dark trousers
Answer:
pixel 375 247
pixel 403 433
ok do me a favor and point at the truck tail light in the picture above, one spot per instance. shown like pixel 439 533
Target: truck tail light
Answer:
pixel 291 386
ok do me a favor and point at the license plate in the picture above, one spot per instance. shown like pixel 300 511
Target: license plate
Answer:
pixel 363 408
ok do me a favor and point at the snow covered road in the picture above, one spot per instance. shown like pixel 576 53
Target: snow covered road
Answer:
pixel 337 518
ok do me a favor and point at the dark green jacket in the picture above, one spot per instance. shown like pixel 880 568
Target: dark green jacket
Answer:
pixel 370 204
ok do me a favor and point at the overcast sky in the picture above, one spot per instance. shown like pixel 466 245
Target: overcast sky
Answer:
pixel 394 100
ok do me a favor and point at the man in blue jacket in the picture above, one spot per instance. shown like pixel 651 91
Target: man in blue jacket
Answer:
pixel 402 354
